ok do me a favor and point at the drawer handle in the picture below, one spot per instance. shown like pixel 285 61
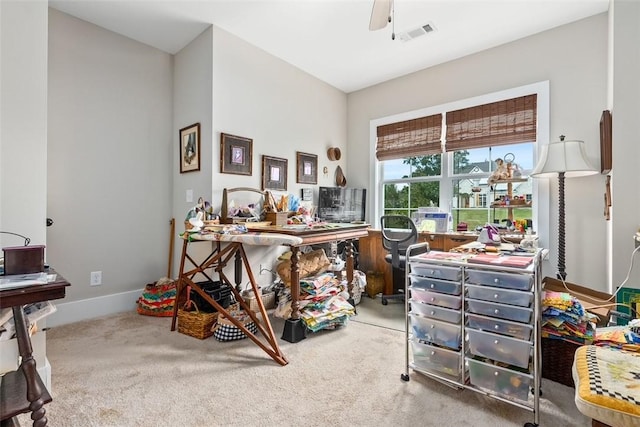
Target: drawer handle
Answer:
pixel 496 373
pixel 432 352
pixel 496 327
pixel 433 326
pixel 433 299
pixel 496 280
pixel 432 285
pixel 495 296
pixel 496 311
pixel 496 342
pixel 433 312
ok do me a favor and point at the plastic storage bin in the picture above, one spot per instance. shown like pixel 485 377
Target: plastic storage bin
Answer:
pixel 428 283
pixel 435 298
pixel 435 312
pixel 430 358
pixel 436 332
pixel 504 296
pixel 499 347
pixel 504 382
pixel 502 311
pixel 521 282
pixel 437 271
pixel 520 331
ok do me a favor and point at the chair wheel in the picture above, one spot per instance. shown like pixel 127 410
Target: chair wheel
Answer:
pixel 384 301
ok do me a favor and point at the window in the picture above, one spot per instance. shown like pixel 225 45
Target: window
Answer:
pixel 454 171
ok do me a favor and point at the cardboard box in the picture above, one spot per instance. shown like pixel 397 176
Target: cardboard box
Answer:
pixel 589 298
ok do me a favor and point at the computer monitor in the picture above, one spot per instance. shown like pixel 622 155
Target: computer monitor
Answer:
pixel 338 204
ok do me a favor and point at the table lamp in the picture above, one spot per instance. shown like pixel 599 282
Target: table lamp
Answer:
pixel 565 159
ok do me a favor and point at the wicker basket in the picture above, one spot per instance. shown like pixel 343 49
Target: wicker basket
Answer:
pixel 196 323
pixel 375 283
pixel 557 360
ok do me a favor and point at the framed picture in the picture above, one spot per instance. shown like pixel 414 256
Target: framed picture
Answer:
pixel 307 167
pixel 190 148
pixel 236 154
pixel 605 142
pixel 274 173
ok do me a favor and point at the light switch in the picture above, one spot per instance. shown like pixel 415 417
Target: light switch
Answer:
pixel 189 196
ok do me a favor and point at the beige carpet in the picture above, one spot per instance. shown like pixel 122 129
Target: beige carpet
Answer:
pixel 131 370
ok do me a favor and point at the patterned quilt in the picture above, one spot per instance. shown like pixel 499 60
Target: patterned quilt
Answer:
pixel 608 385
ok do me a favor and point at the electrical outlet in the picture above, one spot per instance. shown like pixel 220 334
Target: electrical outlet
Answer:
pixel 96 278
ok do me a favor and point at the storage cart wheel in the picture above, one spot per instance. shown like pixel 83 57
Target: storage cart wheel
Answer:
pixel 533 391
pixel 404 377
pixel 530 425
pixel 384 300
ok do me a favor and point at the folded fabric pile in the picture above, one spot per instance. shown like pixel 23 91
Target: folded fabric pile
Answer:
pixel 563 317
pixel 323 303
pixel 625 337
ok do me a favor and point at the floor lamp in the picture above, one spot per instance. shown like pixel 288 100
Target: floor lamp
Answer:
pixel 564 159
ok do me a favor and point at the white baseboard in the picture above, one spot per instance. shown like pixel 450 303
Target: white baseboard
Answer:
pixel 75 311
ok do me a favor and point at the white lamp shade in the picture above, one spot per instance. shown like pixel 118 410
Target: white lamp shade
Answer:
pixel 563 156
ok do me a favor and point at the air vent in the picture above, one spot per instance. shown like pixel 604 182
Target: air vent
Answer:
pixel 414 33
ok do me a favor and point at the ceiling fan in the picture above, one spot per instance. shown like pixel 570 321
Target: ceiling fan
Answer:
pixel 381 15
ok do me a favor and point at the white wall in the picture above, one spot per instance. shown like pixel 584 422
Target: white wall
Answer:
pixel 23 121
pixel 625 111
pixel 111 143
pixel 573 59
pixel 255 95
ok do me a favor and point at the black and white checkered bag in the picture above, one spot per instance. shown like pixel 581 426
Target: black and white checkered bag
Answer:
pixel 225 330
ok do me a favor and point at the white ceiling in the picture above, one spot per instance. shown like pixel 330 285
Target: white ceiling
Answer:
pixel 330 39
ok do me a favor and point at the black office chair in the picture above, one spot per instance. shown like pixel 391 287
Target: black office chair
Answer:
pixel 398 233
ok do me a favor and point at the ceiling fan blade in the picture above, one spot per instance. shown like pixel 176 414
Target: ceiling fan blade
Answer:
pixel 380 14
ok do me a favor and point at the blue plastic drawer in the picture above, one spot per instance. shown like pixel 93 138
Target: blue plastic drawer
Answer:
pixel 435 298
pixel 502 311
pixel 504 382
pixel 522 282
pixel 504 296
pixel 437 271
pixel 435 312
pixel 436 332
pixel 499 347
pixel 520 331
pixel 430 358
pixel 438 285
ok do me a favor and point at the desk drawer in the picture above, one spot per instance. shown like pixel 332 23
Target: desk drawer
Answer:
pixel 437 271
pixel 520 331
pixel 502 311
pixel 499 347
pixel 435 298
pixel 428 283
pixel 436 332
pixel 435 312
pixel 504 296
pixel 438 359
pixel 502 381
pixel 521 282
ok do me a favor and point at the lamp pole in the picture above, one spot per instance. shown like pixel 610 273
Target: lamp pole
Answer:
pixel 561 266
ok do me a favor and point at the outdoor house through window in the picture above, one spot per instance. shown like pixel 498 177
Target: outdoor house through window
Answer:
pixel 456 160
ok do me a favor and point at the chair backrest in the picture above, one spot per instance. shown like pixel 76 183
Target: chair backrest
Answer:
pixel 398 233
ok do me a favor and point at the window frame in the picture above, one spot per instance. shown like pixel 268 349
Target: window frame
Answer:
pixel 540 187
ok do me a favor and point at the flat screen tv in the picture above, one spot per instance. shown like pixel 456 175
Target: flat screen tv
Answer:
pixel 338 204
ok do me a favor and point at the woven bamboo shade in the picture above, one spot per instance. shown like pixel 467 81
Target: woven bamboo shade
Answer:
pixel 510 121
pixel 416 137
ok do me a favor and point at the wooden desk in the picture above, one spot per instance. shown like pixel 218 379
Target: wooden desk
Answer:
pixel 23 391
pixel 294 329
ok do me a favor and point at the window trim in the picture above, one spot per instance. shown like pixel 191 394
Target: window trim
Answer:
pixel 541 209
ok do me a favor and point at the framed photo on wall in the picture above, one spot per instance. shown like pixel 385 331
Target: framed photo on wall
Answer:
pixel 307 167
pixel 190 148
pixel 274 173
pixel 236 154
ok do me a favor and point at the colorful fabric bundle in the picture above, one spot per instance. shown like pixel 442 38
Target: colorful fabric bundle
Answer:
pixel 158 298
pixel 325 305
pixel 563 317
